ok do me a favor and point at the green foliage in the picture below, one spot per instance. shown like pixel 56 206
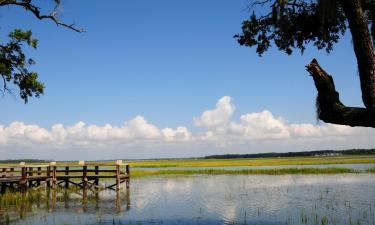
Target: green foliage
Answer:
pixel 13 62
pixel 291 24
pixel 14 65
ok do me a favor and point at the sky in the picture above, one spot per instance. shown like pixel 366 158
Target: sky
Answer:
pixel 166 78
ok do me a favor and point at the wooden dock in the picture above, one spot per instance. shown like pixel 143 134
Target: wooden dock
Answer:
pixel 52 175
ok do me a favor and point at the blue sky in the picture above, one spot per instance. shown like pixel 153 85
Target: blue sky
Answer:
pixel 167 61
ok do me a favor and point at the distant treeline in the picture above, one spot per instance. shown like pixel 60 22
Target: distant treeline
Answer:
pixel 24 160
pixel 295 154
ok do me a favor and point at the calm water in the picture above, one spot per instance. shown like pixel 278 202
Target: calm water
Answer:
pixel 220 199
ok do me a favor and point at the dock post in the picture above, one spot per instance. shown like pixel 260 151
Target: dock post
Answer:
pixel 39 173
pixel 84 177
pixel 3 185
pixel 30 174
pixel 67 177
pixel 54 178
pixel 48 179
pixel 23 181
pixel 117 177
pixel 96 182
pixel 3 188
pixel 127 168
pixel 11 183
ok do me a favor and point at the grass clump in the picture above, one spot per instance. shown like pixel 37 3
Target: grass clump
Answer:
pixel 371 170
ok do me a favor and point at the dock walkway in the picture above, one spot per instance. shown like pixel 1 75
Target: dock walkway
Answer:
pixel 82 175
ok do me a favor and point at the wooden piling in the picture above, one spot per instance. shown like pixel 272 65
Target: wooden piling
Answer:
pixel 3 188
pixel 48 179
pixel 23 181
pixel 39 174
pixel 118 177
pixel 11 185
pixel 54 179
pixel 3 185
pixel 127 182
pixel 96 182
pixel 67 178
pixel 84 177
pixel 30 174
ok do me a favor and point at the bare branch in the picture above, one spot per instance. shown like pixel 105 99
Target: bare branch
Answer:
pixel 36 12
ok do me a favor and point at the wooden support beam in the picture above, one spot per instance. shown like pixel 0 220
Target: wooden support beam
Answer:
pixel 127 169
pixel 23 182
pixel 117 177
pixel 76 184
pixel 96 182
pixel 84 177
pixel 54 179
pixel 3 187
pixel 30 174
pixel 39 174
pixel 4 172
pixel 48 180
pixel 67 180
pixel 128 176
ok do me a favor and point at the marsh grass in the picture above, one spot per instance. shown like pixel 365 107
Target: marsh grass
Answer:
pixel 281 171
pixel 371 170
pixel 253 162
pixel 272 161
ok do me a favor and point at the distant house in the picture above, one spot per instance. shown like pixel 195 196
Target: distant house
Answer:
pixel 328 154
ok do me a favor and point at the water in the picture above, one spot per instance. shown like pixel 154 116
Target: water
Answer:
pixel 220 199
pixel 360 167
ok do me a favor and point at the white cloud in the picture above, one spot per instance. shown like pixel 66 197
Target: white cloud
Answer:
pixel 181 133
pixel 140 128
pixel 218 116
pixel 80 134
pixel 261 125
pixel 252 132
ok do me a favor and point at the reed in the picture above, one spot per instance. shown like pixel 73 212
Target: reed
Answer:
pixel 281 171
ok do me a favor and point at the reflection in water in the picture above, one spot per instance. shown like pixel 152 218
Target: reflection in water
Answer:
pixel 61 206
pixel 220 199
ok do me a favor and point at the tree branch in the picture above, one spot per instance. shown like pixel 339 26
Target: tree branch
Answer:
pixel 329 107
pixel 36 12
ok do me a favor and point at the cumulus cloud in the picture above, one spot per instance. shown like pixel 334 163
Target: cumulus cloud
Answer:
pixel 255 131
pixel 265 126
pixel 259 125
pixel 80 134
pixel 181 133
pixel 217 117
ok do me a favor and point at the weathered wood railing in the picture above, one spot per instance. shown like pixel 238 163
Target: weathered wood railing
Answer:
pixel 82 175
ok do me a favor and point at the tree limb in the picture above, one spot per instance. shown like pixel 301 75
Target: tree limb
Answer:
pixel 36 12
pixel 329 107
